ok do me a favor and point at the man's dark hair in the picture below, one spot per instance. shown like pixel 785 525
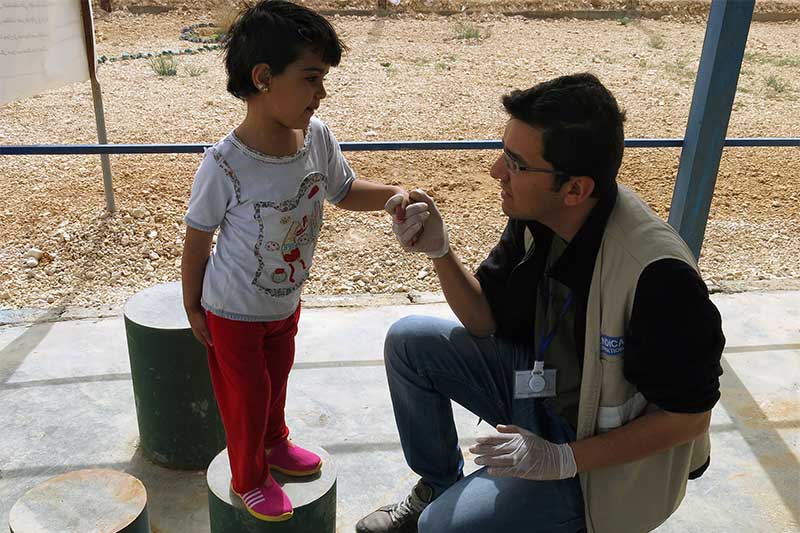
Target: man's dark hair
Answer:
pixel 581 125
pixel 275 32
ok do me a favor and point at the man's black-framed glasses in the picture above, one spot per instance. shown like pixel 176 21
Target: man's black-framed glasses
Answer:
pixel 514 167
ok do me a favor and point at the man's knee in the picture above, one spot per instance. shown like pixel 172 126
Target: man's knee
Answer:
pixel 425 524
pixel 406 331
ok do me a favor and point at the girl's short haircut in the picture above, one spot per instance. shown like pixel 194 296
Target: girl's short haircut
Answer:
pixel 275 32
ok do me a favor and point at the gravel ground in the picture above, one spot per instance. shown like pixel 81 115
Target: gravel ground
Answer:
pixel 406 77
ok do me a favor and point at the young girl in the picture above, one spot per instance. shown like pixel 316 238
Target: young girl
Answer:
pixel 263 187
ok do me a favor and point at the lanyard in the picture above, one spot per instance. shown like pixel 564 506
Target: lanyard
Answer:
pixel 545 341
pixel 537 382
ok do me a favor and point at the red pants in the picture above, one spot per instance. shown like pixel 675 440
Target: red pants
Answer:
pixel 249 364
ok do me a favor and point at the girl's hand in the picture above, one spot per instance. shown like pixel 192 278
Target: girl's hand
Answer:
pixel 197 320
pixel 397 206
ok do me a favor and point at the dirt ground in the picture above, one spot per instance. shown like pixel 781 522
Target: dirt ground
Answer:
pixel 407 76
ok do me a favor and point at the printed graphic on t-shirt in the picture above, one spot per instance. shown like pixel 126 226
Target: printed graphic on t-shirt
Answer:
pixel 284 256
pixel 226 168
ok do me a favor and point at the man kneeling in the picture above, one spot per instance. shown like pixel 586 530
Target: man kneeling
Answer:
pixel 587 338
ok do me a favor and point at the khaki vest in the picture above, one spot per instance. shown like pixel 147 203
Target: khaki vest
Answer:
pixel 641 495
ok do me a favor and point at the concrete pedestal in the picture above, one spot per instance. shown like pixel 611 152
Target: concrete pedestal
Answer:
pixel 179 423
pixel 313 498
pixel 84 501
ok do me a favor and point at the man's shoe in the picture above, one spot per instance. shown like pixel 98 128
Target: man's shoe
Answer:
pixel 400 517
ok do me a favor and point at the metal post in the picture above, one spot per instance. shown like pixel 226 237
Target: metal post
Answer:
pixel 102 138
pixel 714 90
pixel 97 97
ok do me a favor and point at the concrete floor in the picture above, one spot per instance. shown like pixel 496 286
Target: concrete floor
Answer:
pixel 67 404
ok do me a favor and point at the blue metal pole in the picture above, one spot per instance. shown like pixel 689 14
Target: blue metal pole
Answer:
pixel 374 146
pixel 714 90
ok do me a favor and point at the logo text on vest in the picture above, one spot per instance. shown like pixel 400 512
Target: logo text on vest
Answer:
pixel 612 345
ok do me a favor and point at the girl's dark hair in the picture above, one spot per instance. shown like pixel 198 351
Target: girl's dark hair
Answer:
pixel 581 126
pixel 275 32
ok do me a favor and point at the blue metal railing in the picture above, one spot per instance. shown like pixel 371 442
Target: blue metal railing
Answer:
pixel 117 149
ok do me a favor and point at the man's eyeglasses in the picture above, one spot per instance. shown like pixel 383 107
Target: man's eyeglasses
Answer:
pixel 514 167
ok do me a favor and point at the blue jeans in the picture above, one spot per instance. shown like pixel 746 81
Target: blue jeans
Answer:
pixel 430 361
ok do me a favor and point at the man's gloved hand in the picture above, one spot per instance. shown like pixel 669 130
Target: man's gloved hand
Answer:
pixel 420 227
pixel 519 453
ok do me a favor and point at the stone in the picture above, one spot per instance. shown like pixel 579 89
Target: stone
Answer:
pixel 35 253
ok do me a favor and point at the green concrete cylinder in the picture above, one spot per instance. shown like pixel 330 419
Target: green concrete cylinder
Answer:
pixel 99 500
pixel 179 422
pixel 313 499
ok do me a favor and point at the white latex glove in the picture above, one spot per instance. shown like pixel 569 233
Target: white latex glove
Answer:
pixel 517 452
pixel 420 228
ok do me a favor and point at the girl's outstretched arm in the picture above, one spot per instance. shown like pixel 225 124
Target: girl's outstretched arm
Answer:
pixel 368 196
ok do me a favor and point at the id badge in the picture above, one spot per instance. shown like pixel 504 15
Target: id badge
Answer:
pixel 530 385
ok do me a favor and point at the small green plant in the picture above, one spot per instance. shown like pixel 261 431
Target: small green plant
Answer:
pixel 445 63
pixel 164 65
pixel 467 31
pixel 656 41
pixel 680 69
pixel 756 57
pixel 623 20
pixel 777 84
pixel 791 61
pixel 195 71
pixel 390 69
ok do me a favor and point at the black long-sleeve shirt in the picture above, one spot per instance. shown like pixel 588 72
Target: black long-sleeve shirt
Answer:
pixel 674 339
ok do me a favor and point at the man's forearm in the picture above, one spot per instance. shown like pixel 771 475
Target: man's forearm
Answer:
pixel 464 295
pixel 640 438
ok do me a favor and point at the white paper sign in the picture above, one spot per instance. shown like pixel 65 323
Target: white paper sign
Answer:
pixel 42 46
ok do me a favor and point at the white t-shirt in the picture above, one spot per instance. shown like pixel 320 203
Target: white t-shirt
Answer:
pixel 269 213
